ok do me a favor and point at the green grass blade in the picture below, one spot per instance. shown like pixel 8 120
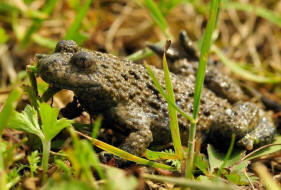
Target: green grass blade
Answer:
pixel 157 17
pixel 229 151
pixel 47 9
pixel 153 155
pixel 242 72
pixel 96 126
pixel 8 108
pixel 162 92
pixel 166 5
pixel 47 42
pixel 207 39
pixel 174 126
pixel 143 53
pixel 125 155
pixel 265 150
pixel 260 11
pixel 72 32
pixel 3 36
pixel 7 7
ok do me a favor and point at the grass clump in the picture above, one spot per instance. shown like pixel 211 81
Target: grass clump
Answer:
pixel 206 44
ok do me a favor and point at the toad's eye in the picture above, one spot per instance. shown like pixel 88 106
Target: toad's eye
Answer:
pixel 84 61
pixel 66 46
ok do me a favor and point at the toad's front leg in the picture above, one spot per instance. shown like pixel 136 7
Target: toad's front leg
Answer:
pixel 133 118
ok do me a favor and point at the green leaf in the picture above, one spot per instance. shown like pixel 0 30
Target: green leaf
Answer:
pixel 200 76
pixel 63 166
pixel 174 125
pixel 43 41
pixel 268 150
pixel 50 125
pixel 3 36
pixel 26 121
pixel 47 9
pixel 3 147
pixel 125 155
pixel 153 155
pixel 7 7
pixel 202 163
pixel 203 178
pixel 33 161
pixel 234 178
pixel 205 49
pixel 216 158
pixel 96 126
pixel 157 17
pixel 5 114
pixel 73 33
pixel 166 5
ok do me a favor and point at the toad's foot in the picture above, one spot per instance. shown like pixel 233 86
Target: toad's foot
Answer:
pixel 261 135
pixel 246 121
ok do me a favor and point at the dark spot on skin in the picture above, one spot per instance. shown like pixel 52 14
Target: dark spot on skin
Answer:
pixel 202 101
pixel 134 74
pixel 154 104
pixel 124 76
pixel 153 89
pixel 206 113
pixel 104 66
pixel 131 96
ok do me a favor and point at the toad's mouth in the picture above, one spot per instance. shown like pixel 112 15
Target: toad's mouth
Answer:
pixel 67 84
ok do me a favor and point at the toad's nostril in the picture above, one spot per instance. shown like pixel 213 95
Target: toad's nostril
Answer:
pixel 84 61
pixel 66 46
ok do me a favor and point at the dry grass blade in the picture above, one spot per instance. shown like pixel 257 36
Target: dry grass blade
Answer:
pixel 266 178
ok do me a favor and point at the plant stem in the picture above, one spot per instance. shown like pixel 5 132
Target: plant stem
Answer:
pixel 205 49
pixel 191 145
pixel 45 158
pixel 3 180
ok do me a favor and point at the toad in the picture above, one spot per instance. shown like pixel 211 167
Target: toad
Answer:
pixel 123 93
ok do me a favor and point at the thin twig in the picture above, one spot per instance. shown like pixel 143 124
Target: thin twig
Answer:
pixel 250 181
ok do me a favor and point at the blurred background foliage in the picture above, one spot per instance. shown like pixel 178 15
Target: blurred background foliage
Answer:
pixel 248 31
